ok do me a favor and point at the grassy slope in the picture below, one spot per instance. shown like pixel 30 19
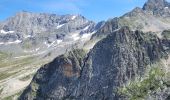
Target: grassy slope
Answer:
pixel 21 69
pixel 155 79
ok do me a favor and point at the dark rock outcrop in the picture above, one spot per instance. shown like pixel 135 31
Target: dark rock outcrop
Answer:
pixel 58 79
pixel 115 60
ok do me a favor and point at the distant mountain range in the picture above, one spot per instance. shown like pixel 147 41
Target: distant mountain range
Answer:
pixel 124 58
pixel 41 30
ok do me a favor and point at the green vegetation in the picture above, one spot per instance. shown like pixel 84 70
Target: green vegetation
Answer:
pixel 1 90
pixel 167 79
pixel 11 64
pixel 133 22
pixel 13 96
pixel 79 53
pixel 27 77
pixel 28 44
pixel 6 75
pixel 166 34
pixel 34 87
pixel 3 55
pixel 18 62
pixel 139 89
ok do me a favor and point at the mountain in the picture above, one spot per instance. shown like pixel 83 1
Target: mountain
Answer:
pixel 29 40
pixel 154 16
pixel 113 62
pixel 157 7
pixel 71 57
pixel 41 30
pixel 34 23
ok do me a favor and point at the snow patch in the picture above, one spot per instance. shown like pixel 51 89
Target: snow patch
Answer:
pixel 35 50
pixel 166 7
pixel 86 35
pixel 73 17
pixel 86 28
pixel 49 44
pixel 59 26
pixel 75 37
pixel 28 36
pixel 14 42
pixel 6 32
pixel 59 41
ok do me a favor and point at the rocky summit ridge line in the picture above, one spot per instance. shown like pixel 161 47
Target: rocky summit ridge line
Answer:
pixel 153 16
pixel 27 31
pixel 27 37
pixel 124 58
pixel 114 61
pixel 126 63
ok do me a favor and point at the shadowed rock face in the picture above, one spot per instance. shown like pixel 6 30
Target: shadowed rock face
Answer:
pixel 57 79
pixel 118 58
pixel 121 56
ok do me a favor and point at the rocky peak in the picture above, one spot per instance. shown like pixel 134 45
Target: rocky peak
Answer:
pixel 115 60
pixel 40 22
pixel 134 12
pixel 157 7
pixel 154 4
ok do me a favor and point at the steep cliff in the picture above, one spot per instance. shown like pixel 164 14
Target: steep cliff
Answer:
pixel 119 58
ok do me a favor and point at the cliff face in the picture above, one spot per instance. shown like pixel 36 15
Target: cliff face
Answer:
pixel 57 79
pixel 117 59
pixel 120 57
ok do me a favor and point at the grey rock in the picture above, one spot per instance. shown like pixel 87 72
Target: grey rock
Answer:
pixel 154 16
pixel 41 30
pixel 157 7
pixel 122 56
pixel 58 79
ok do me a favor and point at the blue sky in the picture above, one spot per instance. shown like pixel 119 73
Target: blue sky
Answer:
pixel 95 10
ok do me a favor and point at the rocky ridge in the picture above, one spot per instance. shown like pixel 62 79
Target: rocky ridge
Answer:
pixel 39 41
pixel 28 31
pixel 113 62
pixel 27 37
pixel 154 16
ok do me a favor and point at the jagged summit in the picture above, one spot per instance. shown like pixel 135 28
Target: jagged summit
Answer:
pixel 152 4
pixel 157 7
pixel 154 16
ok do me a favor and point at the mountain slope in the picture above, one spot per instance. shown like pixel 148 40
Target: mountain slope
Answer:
pixel 28 37
pixel 154 16
pixel 29 40
pixel 119 58
pixel 30 31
